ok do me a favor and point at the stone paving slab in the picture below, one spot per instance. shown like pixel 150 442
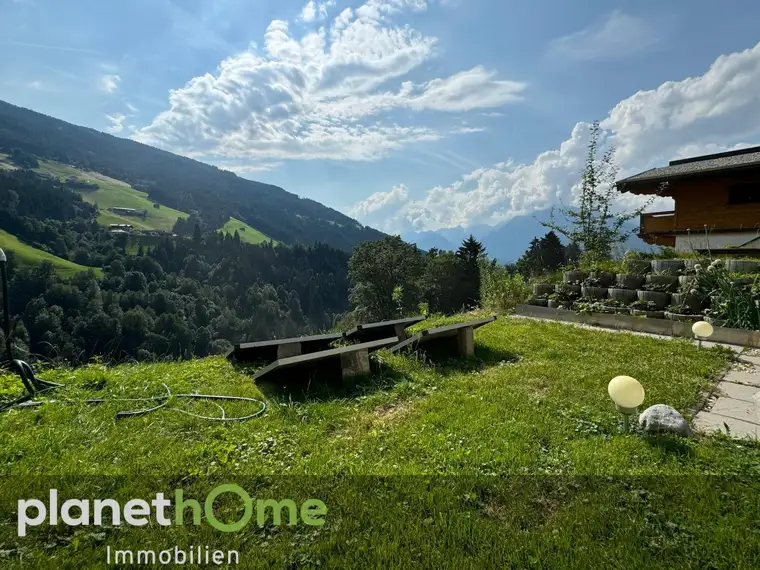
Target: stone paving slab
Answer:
pixel 709 422
pixel 737 409
pixel 755 360
pixel 744 377
pixel 708 344
pixel 738 391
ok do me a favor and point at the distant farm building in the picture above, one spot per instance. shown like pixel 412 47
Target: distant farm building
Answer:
pixel 125 211
pixel 120 228
pixel 75 182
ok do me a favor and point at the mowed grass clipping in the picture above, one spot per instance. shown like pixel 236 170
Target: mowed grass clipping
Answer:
pixel 514 458
pixel 28 255
pixel 247 233
pixel 115 193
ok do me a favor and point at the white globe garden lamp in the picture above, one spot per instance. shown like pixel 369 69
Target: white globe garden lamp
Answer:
pixel 702 329
pixel 627 394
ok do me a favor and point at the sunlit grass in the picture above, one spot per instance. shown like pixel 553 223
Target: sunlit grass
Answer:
pixel 115 193
pixel 513 458
pixel 29 255
pixel 247 233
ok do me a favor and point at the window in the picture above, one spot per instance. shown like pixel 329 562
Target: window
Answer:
pixel 744 194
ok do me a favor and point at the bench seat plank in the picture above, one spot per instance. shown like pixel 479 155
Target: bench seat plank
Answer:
pixel 351 358
pixel 463 331
pixel 382 329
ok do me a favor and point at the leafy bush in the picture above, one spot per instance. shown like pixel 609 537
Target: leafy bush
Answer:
pixel 500 291
pixel 659 287
pixel 643 306
pixel 737 304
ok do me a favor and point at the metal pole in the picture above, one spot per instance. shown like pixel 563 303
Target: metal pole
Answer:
pixel 6 305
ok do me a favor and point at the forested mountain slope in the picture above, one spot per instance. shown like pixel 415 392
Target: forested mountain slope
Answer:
pixel 180 182
pixel 78 291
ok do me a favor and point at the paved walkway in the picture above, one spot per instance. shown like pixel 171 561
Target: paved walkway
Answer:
pixel 735 405
pixel 735 402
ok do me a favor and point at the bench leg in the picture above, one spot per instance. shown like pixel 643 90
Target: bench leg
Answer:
pixel 354 364
pixel 466 341
pixel 287 350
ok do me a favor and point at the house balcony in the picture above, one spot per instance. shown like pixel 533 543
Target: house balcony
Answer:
pixel 657 228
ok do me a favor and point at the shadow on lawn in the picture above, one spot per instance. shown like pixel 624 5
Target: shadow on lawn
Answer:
pixel 670 445
pixel 320 385
pixel 326 383
pixel 440 357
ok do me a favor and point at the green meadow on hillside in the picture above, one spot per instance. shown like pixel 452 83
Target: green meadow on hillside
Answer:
pixel 247 233
pixel 28 255
pixel 512 459
pixel 115 193
pixel 5 164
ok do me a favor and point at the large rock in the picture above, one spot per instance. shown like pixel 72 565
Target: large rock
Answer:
pixel 661 418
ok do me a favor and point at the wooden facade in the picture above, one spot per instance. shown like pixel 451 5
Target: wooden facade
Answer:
pixel 702 203
pixel 721 201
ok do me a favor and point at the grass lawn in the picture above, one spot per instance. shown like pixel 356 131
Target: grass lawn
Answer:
pixel 28 255
pixel 514 458
pixel 115 193
pixel 147 241
pixel 247 233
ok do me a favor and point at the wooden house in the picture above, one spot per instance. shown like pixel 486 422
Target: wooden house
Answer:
pixel 717 202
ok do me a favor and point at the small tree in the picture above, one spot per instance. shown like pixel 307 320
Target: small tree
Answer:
pixel 442 282
pixel 543 255
pixel 469 255
pixel 593 225
pixel 386 275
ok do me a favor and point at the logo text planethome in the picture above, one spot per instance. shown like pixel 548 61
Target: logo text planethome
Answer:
pixel 138 512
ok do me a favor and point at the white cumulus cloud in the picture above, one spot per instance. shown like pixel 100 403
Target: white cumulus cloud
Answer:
pixel 315 11
pixel 109 82
pixel 716 111
pixel 116 123
pixel 323 94
pixel 616 35
pixel 380 200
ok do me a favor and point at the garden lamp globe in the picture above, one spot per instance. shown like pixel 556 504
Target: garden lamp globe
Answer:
pixel 702 329
pixel 627 394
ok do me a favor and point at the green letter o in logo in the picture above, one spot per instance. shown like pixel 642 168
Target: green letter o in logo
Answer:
pixel 209 506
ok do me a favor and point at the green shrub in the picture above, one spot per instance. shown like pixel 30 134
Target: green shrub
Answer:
pixel 738 305
pixel 500 291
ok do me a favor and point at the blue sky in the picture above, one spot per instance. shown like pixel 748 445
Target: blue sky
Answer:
pixel 407 114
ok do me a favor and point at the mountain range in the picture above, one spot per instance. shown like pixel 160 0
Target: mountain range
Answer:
pixel 181 183
pixel 505 242
pixel 216 195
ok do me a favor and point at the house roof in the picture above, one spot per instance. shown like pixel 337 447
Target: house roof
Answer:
pixel 698 165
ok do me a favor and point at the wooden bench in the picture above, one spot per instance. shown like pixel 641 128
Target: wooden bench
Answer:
pixel 345 362
pixel 443 335
pixel 382 329
pixel 271 350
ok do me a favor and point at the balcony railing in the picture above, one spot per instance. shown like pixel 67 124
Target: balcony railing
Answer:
pixel 658 222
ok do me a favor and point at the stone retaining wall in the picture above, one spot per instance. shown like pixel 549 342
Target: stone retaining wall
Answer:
pixel 640 324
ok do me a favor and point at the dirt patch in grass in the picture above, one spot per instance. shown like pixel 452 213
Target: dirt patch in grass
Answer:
pixel 389 413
